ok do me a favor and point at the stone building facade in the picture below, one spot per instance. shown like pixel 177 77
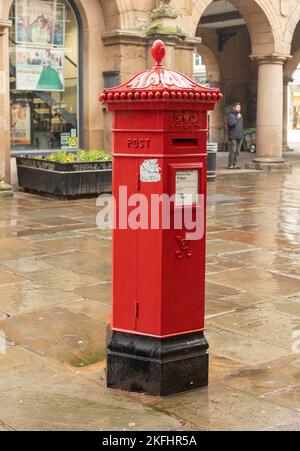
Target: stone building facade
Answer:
pixel 250 48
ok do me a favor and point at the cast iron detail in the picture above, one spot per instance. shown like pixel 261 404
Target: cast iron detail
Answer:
pixel 158 367
pixel 184 248
pixel 187 119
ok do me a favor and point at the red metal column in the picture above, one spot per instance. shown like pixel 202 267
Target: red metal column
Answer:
pixel 160 162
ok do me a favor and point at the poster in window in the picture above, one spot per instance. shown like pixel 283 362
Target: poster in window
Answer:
pixel 20 122
pixel 40 69
pixel 39 22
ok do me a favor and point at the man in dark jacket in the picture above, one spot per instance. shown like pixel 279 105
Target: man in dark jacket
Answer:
pixel 235 135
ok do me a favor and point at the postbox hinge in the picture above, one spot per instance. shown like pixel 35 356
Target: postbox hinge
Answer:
pixel 138 182
pixel 137 310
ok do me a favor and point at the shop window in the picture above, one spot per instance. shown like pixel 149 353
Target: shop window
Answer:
pixel 44 76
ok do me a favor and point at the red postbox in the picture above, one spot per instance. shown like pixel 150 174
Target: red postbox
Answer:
pixel 159 186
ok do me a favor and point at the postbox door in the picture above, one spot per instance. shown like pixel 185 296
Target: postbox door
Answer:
pixel 124 246
pixel 149 249
pixel 184 251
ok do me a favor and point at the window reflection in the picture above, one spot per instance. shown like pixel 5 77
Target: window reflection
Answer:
pixel 43 75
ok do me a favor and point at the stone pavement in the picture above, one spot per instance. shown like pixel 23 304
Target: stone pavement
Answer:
pixel 55 298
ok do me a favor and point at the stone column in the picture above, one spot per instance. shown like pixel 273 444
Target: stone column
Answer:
pixel 4 103
pixel 269 111
pixel 125 54
pixel 217 121
pixel 286 82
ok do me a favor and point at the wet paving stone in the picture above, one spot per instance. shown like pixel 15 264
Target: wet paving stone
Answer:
pixel 294 426
pixel 215 265
pixel 217 247
pixel 101 292
pixel 246 299
pixel 54 220
pixel 270 327
pixel 217 308
pixel 12 248
pixel 25 266
pixel 59 334
pixel 55 304
pixel 71 244
pixel 73 403
pixel 264 240
pixel 220 367
pixel 242 349
pixel 268 380
pixel 96 310
pixel 259 257
pixel 288 306
pixel 27 297
pixel 215 291
pixel 20 367
pixel 8 277
pixel 64 279
pixel 206 408
pixel 252 280
pixel 288 397
pixel 97 263
pixel 49 234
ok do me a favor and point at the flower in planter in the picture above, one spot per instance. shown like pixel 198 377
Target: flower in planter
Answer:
pixel 93 155
pixel 79 157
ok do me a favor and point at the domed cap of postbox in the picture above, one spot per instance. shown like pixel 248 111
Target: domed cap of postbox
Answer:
pixel 161 84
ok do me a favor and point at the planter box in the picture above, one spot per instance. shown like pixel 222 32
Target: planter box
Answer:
pixel 68 181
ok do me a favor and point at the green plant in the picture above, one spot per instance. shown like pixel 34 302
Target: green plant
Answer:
pixel 80 156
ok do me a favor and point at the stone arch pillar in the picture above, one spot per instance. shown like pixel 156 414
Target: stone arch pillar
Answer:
pixel 270 110
pixel 213 77
pixel 4 102
pixel 265 30
pixel 285 130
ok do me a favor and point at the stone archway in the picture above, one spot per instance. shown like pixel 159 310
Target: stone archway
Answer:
pixel 290 30
pixel 265 47
pixel 292 64
pixel 211 63
pixel 260 16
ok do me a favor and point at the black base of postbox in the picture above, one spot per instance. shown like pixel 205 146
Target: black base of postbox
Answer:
pixel 158 367
pixel 67 181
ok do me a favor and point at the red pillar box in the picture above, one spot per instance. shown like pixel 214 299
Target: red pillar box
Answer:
pixel 159 184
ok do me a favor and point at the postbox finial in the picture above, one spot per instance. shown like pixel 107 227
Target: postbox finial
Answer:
pixel 158 52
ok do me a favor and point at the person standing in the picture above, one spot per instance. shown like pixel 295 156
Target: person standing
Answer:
pixel 235 134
